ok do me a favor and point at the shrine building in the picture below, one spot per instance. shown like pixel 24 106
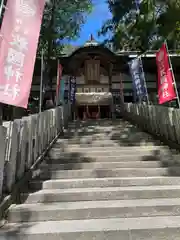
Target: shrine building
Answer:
pixel 99 72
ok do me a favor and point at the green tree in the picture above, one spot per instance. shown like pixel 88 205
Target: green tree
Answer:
pixel 155 21
pixel 62 19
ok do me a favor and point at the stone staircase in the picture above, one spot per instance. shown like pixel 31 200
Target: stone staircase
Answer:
pixel 102 180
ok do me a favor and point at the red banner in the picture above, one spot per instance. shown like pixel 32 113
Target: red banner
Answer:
pixel 166 90
pixel 59 76
pixel 19 39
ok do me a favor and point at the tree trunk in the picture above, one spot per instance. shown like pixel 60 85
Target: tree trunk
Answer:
pixel 49 93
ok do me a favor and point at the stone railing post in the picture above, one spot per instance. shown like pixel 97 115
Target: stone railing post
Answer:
pixel 23 141
pixel 3 132
pixel 158 120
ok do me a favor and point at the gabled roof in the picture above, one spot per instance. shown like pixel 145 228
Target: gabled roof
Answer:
pixel 91 44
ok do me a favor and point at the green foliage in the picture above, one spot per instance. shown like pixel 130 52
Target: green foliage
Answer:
pixel 62 19
pixel 156 21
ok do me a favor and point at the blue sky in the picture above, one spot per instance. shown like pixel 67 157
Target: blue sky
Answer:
pixel 94 22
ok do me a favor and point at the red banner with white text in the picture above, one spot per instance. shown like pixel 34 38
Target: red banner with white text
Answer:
pixel 19 39
pixel 166 91
pixel 59 76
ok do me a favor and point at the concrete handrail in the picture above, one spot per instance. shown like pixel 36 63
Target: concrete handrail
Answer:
pixel 23 141
pixel 159 120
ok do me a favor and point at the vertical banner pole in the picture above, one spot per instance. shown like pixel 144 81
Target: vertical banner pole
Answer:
pixel 41 83
pixel 174 81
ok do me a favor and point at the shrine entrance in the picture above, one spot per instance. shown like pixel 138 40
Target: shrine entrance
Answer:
pixel 93 105
pixel 93 112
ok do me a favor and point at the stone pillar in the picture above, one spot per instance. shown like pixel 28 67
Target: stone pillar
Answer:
pixel 3 132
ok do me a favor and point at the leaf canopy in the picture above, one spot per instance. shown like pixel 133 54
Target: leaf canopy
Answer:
pixel 145 29
pixel 62 20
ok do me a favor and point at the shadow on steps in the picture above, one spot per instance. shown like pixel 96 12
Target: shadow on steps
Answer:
pixel 126 135
pixel 129 135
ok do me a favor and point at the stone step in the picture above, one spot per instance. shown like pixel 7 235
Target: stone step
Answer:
pixel 79 157
pixel 109 165
pixel 97 194
pixel 101 173
pixel 92 129
pixel 104 141
pixel 56 154
pixel 148 228
pixel 107 150
pixel 111 148
pixel 100 123
pixel 93 143
pixel 94 210
pixel 103 182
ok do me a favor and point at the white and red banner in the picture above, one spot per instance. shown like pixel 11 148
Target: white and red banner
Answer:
pixel 166 91
pixel 19 39
pixel 58 84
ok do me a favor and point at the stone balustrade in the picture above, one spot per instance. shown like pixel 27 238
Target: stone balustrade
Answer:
pixel 23 141
pixel 158 120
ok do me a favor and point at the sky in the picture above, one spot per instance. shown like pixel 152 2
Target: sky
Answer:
pixel 94 22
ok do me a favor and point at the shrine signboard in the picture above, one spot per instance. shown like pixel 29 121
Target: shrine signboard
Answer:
pixel 92 89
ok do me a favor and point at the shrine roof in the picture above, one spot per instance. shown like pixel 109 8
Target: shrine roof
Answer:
pixel 89 46
pixel 119 59
pixel 70 51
